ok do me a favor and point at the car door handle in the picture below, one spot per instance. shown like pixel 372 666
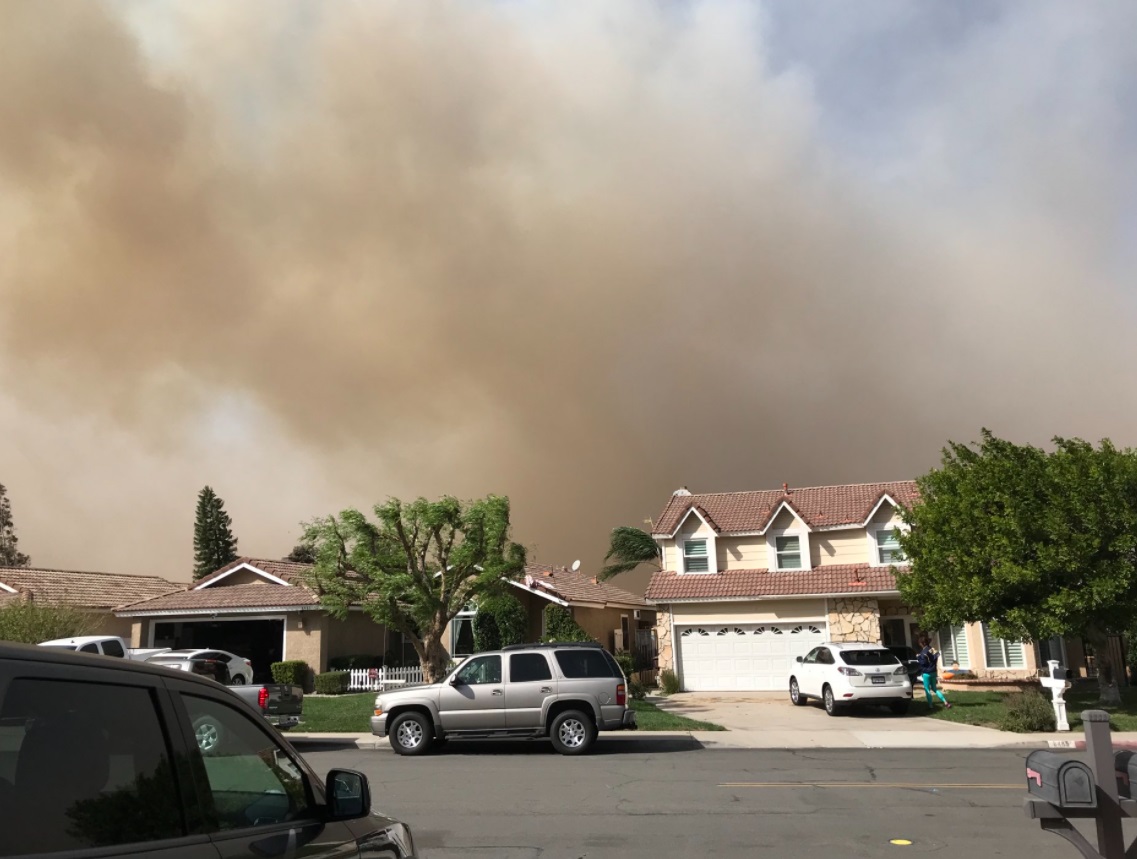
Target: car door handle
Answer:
pixel 497 691
pixel 546 688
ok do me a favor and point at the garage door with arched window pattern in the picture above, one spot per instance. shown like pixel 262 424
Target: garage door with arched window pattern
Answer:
pixel 746 657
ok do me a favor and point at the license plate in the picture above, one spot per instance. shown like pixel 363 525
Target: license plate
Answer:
pixel 878 679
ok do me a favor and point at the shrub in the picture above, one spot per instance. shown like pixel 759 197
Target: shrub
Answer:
pixel 637 690
pixel 332 682
pixel 1027 712
pixel 348 663
pixel 33 622
pixel 501 621
pixel 668 681
pixel 560 626
pixel 295 672
pixel 627 663
pixel 395 659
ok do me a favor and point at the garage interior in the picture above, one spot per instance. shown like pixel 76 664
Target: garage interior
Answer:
pixel 259 641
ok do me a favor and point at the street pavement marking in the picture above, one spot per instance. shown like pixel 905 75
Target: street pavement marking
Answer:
pixel 893 784
pixel 900 842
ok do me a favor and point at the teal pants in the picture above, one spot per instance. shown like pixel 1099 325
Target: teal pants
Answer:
pixel 930 688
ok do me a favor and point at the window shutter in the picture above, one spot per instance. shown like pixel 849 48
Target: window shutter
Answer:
pixel 1002 653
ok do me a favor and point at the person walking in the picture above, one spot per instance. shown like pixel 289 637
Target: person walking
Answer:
pixel 928 661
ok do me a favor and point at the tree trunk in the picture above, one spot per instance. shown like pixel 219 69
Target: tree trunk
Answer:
pixel 1109 693
pixel 433 657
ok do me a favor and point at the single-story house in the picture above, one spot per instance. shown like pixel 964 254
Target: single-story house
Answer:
pixel 617 618
pixel 751 580
pixel 98 593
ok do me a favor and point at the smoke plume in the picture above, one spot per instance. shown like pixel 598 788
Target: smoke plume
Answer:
pixel 316 254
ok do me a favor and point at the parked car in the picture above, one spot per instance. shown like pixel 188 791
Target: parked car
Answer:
pixel 281 704
pixel 102 645
pixel 240 669
pixel 98 758
pixel 846 673
pixel 566 692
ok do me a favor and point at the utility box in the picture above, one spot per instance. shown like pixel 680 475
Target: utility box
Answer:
pixel 1062 781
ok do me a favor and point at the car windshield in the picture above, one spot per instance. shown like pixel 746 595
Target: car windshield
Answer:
pixel 869 657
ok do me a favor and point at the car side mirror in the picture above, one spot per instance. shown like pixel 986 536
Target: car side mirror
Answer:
pixel 455 680
pixel 349 795
pixel 800 659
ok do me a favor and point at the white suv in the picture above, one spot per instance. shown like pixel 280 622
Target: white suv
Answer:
pixel 847 673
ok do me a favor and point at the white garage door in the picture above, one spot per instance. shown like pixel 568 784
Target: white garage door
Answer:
pixel 743 656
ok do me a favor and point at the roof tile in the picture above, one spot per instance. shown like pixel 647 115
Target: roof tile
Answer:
pixel 93 590
pixel 577 587
pixel 819 506
pixel 837 579
pixel 232 597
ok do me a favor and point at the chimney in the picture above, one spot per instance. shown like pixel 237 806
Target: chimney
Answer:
pixel 786 488
pixel 681 491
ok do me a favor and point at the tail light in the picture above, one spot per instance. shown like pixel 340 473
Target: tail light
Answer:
pixel 621 695
pixel 848 672
pixel 262 698
pixel 900 671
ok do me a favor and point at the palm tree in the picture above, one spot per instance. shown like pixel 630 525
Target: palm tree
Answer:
pixel 629 548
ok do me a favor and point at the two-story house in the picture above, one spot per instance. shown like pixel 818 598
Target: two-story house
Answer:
pixel 752 580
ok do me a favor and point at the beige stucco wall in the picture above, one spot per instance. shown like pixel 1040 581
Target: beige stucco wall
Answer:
pixel 766 611
pixel 886 515
pixel 308 643
pixel 105 623
pixel 601 622
pixel 839 547
pixel 355 635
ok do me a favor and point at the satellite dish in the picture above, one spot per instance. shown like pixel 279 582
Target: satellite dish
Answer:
pixel 575 566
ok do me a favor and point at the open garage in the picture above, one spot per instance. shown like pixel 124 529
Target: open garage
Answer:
pixel 260 640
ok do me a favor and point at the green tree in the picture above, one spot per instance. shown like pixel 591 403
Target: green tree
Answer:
pixel 560 625
pixel 214 545
pixel 416 567
pixel 628 548
pixel 10 555
pixel 30 622
pixel 1037 544
pixel 302 553
pixel 501 621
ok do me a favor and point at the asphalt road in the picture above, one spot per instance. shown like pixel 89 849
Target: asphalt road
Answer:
pixel 673 798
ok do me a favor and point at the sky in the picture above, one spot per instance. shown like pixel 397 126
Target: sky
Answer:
pixel 316 255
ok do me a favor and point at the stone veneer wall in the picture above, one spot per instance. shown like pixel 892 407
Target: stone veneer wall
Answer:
pixel 663 636
pixel 854 619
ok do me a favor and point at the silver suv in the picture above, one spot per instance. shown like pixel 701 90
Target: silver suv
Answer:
pixel 566 692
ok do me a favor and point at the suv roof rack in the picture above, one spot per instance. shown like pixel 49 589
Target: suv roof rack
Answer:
pixel 595 644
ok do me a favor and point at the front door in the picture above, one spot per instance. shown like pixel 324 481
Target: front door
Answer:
pixel 530 682
pixel 474 699
pixel 893 632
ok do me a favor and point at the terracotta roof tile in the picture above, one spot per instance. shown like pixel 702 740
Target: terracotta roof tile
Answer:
pixel 832 580
pixel 232 597
pixel 578 587
pixel 819 506
pixel 93 590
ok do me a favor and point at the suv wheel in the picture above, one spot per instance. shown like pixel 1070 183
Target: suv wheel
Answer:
pixel 209 734
pixel 411 734
pixel 795 693
pixel 831 705
pixel 572 733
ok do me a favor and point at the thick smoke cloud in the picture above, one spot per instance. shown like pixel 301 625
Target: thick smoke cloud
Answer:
pixel 316 254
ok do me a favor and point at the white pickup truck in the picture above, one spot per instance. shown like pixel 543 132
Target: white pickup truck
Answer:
pixel 104 645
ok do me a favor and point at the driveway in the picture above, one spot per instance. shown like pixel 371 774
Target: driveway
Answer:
pixel 768 720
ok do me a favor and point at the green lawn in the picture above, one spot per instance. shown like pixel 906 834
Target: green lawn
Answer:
pixel 350 713
pixel 986 708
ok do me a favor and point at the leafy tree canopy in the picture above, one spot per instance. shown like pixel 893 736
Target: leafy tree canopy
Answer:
pixel 416 566
pixel 1037 543
pixel 628 548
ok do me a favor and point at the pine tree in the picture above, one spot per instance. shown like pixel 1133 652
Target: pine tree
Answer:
pixel 10 556
pixel 214 545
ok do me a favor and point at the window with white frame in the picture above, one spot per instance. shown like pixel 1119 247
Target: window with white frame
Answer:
pixel 888 549
pixel 787 552
pixel 1003 653
pixel 696 556
pixel 953 647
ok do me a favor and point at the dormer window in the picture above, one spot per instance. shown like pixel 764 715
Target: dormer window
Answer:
pixel 888 549
pixel 696 557
pixel 788 551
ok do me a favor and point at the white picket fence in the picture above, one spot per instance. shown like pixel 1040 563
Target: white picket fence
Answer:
pixel 379 679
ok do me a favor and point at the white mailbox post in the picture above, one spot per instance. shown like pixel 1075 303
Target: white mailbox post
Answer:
pixel 1057 686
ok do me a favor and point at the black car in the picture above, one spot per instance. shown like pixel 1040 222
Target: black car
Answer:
pixel 98 758
pixel 908 656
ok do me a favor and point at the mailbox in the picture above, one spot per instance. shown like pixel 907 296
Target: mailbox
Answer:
pixel 1125 768
pixel 1062 781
